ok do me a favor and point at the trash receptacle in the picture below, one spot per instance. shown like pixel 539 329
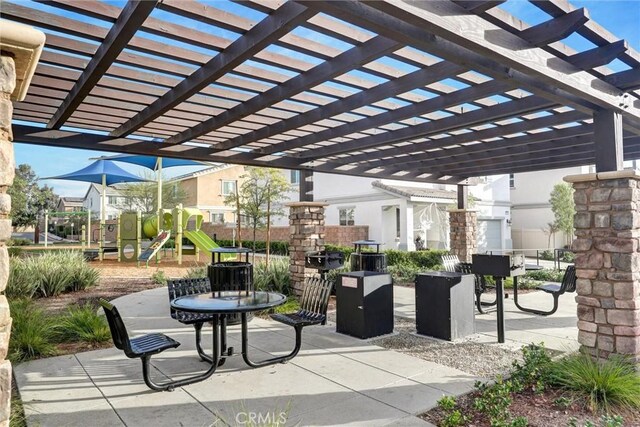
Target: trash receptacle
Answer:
pixel 231 275
pixel 445 304
pixel 364 304
pixel 368 261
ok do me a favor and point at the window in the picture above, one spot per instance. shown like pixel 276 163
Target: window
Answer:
pixel 228 187
pixel 512 181
pixel 398 223
pixel 295 177
pixel 347 216
pixel 217 217
pixel 112 200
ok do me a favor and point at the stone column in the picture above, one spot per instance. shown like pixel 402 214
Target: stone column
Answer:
pixel 607 224
pixel 306 220
pixel 462 231
pixel 7 171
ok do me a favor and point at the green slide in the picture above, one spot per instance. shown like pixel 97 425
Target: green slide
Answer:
pixel 200 239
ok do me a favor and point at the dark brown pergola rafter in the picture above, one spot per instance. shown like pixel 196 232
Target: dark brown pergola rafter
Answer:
pixel 387 99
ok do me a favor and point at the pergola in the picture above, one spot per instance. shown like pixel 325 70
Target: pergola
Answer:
pixel 429 91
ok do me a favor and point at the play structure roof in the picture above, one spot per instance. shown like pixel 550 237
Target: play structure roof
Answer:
pixel 95 171
pixel 429 91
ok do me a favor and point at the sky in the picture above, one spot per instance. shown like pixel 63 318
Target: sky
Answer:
pixel 622 18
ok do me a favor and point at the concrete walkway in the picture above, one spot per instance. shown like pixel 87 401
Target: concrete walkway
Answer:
pixel 335 380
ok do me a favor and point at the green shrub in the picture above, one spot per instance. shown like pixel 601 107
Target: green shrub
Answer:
pixel 494 401
pixel 404 272
pixel 23 279
pixel 547 255
pixel 15 251
pixel 82 323
pixel 159 278
pixel 545 275
pixel 19 241
pixel 274 278
pixel 346 250
pixel 568 257
pixel 50 274
pixel 429 259
pixel 533 373
pixel 605 384
pixel 196 271
pixel 31 332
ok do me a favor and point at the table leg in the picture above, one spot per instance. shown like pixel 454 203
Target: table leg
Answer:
pixel 170 385
pixel 500 307
pixel 273 360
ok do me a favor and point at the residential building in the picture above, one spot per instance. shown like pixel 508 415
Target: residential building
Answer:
pixel 397 212
pixel 70 204
pixel 206 190
pixel 113 202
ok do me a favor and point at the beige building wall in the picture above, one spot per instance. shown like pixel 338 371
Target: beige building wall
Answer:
pixel 204 192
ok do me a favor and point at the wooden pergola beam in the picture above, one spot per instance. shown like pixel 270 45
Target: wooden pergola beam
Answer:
pixel 497 148
pixel 598 56
pixel 479 6
pixel 274 26
pixel 352 58
pixel 417 153
pixel 555 29
pixel 131 18
pixel 377 93
pixel 468 39
pixel 461 121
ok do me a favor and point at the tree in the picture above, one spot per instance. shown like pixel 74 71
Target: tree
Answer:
pixel 28 199
pixel 550 230
pixel 143 196
pixel 563 207
pixel 260 198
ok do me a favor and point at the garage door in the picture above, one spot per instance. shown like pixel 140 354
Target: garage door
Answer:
pixel 489 234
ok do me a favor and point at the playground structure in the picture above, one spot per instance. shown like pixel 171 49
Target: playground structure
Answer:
pixel 132 229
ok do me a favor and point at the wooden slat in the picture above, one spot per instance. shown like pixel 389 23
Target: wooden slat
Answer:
pixel 555 29
pixel 408 82
pixel 462 121
pixel 464 39
pixel 132 16
pixel 364 53
pixel 598 56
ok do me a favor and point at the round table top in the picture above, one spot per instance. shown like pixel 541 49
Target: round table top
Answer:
pixel 533 267
pixel 228 302
pixel 229 250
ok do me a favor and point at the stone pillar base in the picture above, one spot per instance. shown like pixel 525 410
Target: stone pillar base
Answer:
pixel 607 224
pixel 462 230
pixel 306 220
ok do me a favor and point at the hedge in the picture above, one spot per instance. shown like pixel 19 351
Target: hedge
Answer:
pixel 277 247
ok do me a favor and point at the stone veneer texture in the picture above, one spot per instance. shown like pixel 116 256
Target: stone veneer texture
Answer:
pixel 462 226
pixel 7 170
pixel 607 224
pixel 306 221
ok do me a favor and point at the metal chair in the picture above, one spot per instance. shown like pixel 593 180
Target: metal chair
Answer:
pixel 193 286
pixel 568 284
pixel 145 346
pixel 313 311
pixel 449 262
pixel 480 285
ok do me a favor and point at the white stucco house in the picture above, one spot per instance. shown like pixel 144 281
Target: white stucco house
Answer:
pixel 113 203
pixel 399 211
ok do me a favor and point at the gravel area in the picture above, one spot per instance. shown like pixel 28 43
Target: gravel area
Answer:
pixel 473 355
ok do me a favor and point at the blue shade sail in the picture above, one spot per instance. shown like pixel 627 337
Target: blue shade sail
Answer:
pixel 93 173
pixel 151 162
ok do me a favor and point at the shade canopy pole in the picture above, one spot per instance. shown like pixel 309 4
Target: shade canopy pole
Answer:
pixel 102 216
pixel 159 226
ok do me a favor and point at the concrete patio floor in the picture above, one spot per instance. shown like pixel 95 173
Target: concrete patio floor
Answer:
pixel 335 380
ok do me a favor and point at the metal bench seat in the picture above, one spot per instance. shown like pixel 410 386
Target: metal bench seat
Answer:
pixel 145 346
pixel 151 344
pixel 313 311
pixel 568 284
pixel 299 318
